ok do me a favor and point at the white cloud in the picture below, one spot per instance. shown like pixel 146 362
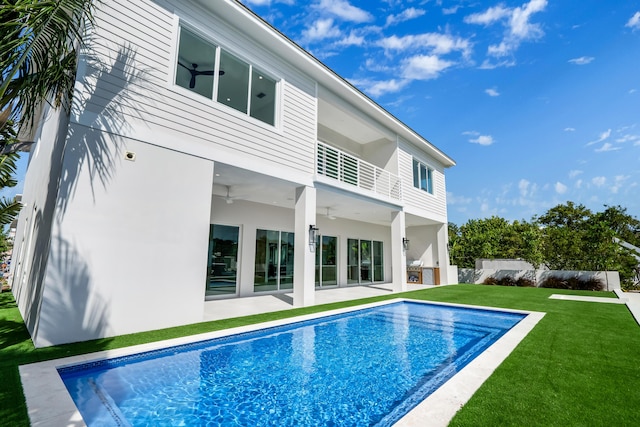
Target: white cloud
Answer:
pixel 599 181
pixel 351 40
pixel 579 183
pixel 634 21
pixel 436 43
pixel 628 138
pixel 574 173
pixel 604 135
pixel 377 88
pixel 569 129
pixel 405 15
pixel 344 10
pixel 483 140
pixel 489 16
pixel 492 92
pixel 424 67
pixel 450 10
pixel 583 60
pixel 523 186
pixel 618 182
pixel 606 147
pixel 452 199
pixel 517 22
pixel 321 29
pixel 560 188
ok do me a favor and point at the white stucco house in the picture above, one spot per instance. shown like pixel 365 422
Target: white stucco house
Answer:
pixel 208 156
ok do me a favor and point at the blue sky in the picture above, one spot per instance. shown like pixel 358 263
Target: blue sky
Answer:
pixel 538 102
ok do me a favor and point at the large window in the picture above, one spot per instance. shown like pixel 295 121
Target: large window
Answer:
pixel 274 260
pixel 208 70
pixel 364 261
pixel 422 176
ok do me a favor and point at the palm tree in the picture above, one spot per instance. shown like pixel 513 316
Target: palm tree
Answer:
pixel 39 41
pixel 8 209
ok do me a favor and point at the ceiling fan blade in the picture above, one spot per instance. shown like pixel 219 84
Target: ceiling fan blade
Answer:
pixel 204 73
pixel 192 82
pixel 183 66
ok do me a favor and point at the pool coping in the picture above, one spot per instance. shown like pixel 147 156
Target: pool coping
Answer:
pixel 49 403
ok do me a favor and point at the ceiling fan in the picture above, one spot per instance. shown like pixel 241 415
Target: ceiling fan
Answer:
pixel 228 198
pixel 195 73
pixel 329 215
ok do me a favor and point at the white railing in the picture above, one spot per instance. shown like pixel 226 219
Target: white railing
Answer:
pixel 336 164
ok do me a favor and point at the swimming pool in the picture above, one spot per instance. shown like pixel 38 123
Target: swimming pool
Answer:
pixel 367 367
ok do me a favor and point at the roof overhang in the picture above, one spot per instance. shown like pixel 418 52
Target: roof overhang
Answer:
pixel 257 28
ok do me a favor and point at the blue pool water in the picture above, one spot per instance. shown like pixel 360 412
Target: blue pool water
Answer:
pixel 364 368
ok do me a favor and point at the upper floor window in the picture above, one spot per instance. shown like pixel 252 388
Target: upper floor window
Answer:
pixel 208 70
pixel 422 176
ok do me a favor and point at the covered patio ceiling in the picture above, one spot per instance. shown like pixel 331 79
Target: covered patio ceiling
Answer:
pixel 245 185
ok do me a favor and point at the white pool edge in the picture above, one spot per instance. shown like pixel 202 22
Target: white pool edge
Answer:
pixel 49 403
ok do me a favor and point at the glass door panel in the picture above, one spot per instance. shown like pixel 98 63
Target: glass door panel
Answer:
pixel 286 260
pixel 266 265
pixel 326 266
pixel 365 261
pixel 222 265
pixel 378 266
pixel 353 260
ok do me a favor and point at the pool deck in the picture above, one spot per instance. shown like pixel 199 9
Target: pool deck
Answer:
pixel 49 403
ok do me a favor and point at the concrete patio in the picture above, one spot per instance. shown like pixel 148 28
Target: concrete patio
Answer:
pixel 237 307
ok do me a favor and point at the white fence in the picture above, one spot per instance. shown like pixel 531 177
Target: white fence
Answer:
pixel 610 279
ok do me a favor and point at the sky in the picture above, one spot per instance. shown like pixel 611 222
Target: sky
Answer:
pixel 537 102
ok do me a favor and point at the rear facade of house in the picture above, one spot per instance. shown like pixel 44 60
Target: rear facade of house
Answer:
pixel 207 156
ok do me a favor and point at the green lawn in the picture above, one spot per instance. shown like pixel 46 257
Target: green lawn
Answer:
pixel 578 367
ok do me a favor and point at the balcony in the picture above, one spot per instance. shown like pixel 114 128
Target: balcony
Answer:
pixel 338 165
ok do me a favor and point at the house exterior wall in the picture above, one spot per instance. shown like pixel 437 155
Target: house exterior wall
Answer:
pixel 114 236
pixel 136 42
pixel 127 252
pixel 33 233
pixel 417 201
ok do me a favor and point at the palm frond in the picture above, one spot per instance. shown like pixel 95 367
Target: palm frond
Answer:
pixel 8 170
pixel 39 39
pixel 9 210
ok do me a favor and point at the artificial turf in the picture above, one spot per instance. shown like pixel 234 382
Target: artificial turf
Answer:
pixel 578 367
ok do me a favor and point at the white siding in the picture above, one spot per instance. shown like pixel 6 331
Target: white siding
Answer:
pixel 134 96
pixel 417 201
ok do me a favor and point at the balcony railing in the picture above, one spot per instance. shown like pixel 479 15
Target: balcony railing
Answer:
pixel 343 167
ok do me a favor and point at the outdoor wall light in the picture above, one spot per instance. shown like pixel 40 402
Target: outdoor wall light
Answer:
pixel 313 230
pixel 405 243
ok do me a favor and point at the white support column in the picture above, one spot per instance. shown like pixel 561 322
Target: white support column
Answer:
pixel 304 260
pixel 443 254
pixel 398 255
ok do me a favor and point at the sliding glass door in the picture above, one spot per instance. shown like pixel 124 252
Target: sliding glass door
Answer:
pixel 326 266
pixel 364 261
pixel 222 263
pixel 274 260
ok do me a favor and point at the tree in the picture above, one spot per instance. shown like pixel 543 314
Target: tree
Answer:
pixel 9 209
pixel 493 238
pixel 563 230
pixel 39 41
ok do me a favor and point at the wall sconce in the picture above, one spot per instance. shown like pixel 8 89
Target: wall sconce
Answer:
pixel 313 230
pixel 405 243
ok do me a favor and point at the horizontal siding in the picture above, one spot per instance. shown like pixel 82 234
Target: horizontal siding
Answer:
pixel 431 205
pixel 134 41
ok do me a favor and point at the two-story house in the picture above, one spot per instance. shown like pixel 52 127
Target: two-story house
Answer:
pixel 208 156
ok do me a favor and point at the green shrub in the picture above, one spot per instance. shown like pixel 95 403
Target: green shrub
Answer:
pixel 523 282
pixel 573 283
